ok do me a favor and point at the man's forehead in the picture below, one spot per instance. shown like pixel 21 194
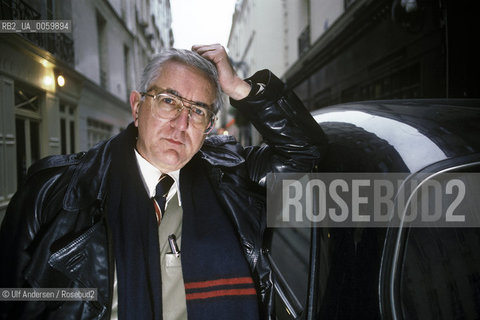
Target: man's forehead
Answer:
pixel 182 80
pixel 179 70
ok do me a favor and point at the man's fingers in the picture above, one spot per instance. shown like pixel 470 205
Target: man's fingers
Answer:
pixel 214 52
pixel 209 47
pixel 231 84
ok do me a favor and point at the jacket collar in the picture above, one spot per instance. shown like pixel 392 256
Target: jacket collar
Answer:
pixel 89 181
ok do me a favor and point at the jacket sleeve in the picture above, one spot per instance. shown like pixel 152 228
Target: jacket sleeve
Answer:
pixel 22 223
pixel 293 141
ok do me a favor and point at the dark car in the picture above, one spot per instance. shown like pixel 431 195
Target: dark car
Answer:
pixel 391 272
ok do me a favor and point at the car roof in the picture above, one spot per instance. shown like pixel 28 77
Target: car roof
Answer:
pixel 417 132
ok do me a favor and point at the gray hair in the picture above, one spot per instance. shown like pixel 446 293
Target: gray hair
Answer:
pixel 187 57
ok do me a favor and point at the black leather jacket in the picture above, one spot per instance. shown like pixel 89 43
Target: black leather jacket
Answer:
pixel 55 234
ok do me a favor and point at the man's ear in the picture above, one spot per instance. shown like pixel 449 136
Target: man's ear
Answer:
pixel 135 102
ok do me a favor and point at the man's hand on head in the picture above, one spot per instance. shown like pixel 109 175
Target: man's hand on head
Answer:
pixel 230 82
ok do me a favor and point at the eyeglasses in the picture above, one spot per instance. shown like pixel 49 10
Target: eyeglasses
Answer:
pixel 168 106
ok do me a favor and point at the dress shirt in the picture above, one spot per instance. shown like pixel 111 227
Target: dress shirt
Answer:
pixel 150 175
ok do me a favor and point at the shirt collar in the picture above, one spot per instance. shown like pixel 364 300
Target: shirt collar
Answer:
pixel 150 175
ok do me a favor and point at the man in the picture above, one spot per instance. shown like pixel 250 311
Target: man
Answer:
pixel 97 219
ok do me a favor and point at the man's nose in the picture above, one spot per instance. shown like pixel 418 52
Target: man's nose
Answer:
pixel 181 121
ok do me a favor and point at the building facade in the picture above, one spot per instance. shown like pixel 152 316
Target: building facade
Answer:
pixel 62 93
pixel 334 51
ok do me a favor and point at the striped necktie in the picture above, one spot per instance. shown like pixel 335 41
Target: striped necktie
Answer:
pixel 161 192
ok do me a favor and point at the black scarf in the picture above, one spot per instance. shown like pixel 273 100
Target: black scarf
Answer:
pixel 218 283
pixel 135 234
pixel 217 277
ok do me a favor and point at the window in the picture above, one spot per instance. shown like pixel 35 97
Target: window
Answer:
pixel 290 260
pixel 50 10
pixel 97 131
pixel 398 84
pixel 126 68
pixel 27 129
pixel 8 179
pixel 67 128
pixel 439 276
pixel 102 50
pixel 304 41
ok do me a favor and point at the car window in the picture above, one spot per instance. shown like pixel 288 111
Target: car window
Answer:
pixel 439 274
pixel 290 259
pixel 347 275
pixel 440 277
pixel 349 264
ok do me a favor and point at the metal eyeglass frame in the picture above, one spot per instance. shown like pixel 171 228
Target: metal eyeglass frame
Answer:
pixel 212 118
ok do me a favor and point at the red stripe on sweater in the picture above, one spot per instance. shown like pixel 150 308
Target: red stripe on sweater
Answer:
pixel 219 282
pixel 221 293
